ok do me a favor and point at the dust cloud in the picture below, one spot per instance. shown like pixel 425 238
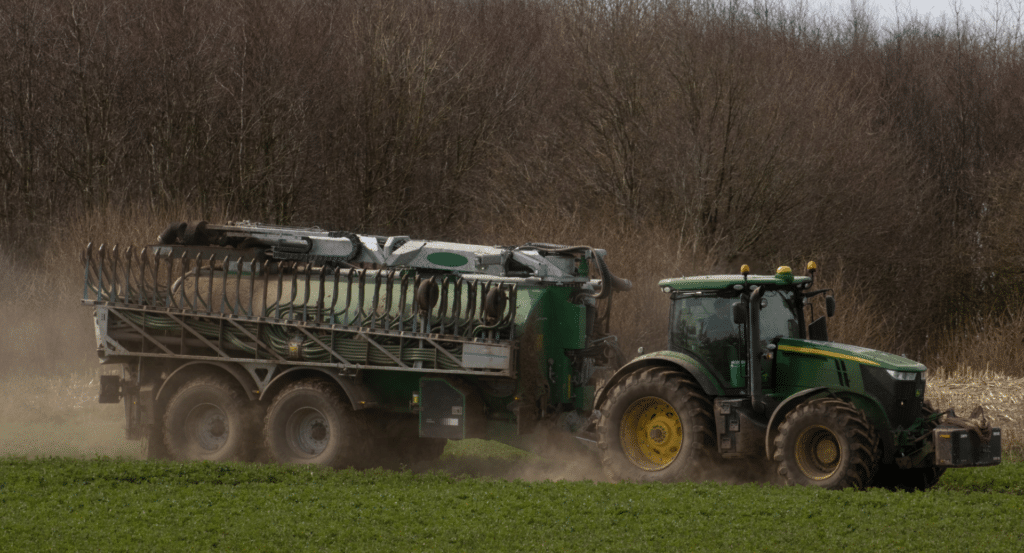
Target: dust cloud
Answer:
pixel 49 385
pixel 49 375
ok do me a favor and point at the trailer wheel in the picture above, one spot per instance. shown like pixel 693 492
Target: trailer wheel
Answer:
pixel 311 423
pixel 827 443
pixel 207 420
pixel 656 426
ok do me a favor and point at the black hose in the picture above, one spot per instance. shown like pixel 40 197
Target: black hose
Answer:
pixel 172 233
pixel 609 282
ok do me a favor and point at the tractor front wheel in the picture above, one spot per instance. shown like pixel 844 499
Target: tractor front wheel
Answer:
pixel 656 426
pixel 827 443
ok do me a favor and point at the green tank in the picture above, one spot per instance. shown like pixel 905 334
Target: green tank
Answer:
pixel 246 341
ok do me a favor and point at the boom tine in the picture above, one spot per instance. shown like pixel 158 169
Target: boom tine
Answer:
pixel 457 304
pixel 87 261
pixel 138 257
pixel 170 274
pixel 254 265
pixel 128 275
pixel 280 286
pixel 513 302
pixel 103 272
pixel 471 308
pixel 167 289
pixel 197 293
pixel 319 317
pixel 389 299
pixel 114 281
pixel 186 262
pixel 156 280
pixel 415 304
pixel 362 295
pixel 238 288
pixel 209 284
pixel 140 282
pixel 442 304
pixel 350 282
pixel 334 296
pixel 224 284
pixel 402 302
pixel 305 295
pixel 295 290
pixel 136 273
pixel 376 299
pixel 266 284
pixel 143 276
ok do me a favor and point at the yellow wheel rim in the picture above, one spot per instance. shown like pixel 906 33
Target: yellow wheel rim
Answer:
pixel 651 433
pixel 818 453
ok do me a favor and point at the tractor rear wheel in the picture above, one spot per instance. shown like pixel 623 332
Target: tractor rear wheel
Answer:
pixel 311 423
pixel 657 426
pixel 207 420
pixel 827 443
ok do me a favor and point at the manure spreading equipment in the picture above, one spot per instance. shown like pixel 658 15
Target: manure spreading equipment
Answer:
pixel 246 341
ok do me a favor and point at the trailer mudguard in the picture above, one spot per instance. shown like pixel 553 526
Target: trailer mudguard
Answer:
pixel 239 374
pixel 871 407
pixel 361 396
pixel 684 362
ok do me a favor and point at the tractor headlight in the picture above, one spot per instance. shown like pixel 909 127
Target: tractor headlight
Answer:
pixel 901 375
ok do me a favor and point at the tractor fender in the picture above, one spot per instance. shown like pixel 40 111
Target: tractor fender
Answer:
pixel 239 374
pixel 684 362
pixel 871 407
pixel 359 394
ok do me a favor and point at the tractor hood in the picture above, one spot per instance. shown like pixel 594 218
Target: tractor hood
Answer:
pixel 846 352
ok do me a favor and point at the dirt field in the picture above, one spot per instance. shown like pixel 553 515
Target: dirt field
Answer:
pixel 1002 398
pixel 60 416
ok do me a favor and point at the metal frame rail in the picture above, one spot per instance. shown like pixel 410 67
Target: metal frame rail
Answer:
pixel 228 306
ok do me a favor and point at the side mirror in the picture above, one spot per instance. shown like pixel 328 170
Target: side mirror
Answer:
pixel 830 305
pixel 739 313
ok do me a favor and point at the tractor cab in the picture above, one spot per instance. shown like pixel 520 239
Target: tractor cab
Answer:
pixel 711 320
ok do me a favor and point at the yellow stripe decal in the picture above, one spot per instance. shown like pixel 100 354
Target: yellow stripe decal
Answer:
pixel 812 351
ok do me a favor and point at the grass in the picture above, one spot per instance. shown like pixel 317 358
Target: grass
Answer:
pixel 107 504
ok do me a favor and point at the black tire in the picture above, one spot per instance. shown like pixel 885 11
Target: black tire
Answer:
pixel 397 443
pixel 827 443
pixel 913 479
pixel 656 425
pixel 208 420
pixel 311 423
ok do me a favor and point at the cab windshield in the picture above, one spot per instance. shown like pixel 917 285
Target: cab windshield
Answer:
pixel 779 316
pixel 703 325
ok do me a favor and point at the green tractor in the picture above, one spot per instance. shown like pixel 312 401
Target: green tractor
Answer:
pixel 746 376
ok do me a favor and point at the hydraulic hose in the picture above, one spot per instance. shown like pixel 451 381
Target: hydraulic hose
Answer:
pixel 609 282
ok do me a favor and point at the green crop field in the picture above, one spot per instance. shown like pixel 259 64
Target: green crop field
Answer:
pixel 65 504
